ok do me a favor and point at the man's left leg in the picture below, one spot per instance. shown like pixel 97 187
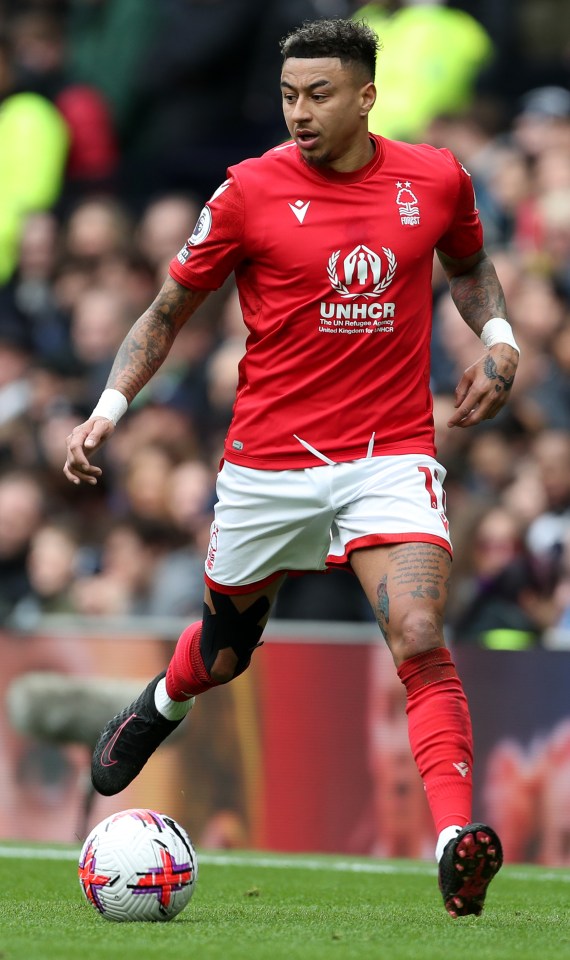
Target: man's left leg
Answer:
pixel 208 653
pixel 406 583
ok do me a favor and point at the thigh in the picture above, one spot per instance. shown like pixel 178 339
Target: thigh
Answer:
pixel 387 500
pixel 407 586
pixel 266 522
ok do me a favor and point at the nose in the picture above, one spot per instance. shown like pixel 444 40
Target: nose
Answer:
pixel 301 110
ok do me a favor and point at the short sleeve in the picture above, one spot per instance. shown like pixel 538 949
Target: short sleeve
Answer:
pixel 464 236
pixel 215 247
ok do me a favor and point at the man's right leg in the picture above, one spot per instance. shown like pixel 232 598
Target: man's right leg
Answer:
pixel 207 654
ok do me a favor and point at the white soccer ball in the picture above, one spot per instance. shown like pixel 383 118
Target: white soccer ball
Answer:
pixel 138 865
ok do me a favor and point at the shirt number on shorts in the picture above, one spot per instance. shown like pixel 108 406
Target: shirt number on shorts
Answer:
pixel 429 478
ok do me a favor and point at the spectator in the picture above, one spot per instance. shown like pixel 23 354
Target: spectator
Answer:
pixel 97 227
pixel 34 144
pixel 179 580
pixel 547 533
pixel 130 553
pixel 99 323
pixel 30 296
pixel 22 510
pixel 492 611
pixel 431 57
pixel 165 221
pixel 52 564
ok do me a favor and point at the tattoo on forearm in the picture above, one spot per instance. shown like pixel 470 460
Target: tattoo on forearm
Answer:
pixel 478 295
pixel 147 344
pixel 491 372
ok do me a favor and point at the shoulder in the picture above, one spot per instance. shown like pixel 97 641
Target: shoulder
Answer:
pixel 422 154
pixel 273 161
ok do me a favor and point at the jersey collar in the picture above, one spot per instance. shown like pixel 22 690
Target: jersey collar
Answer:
pixel 354 176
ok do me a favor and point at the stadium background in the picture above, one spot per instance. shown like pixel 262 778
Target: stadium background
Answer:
pixel 117 120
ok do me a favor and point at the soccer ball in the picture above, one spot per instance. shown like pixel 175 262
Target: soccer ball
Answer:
pixel 138 865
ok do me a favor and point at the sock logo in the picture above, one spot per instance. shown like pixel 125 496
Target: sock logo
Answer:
pixel 462 767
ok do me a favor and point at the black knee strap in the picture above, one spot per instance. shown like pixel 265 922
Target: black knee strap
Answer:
pixel 230 627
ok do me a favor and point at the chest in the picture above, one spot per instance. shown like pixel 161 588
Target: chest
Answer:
pixel 351 237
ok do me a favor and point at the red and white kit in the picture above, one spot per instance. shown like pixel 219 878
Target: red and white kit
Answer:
pixel 334 276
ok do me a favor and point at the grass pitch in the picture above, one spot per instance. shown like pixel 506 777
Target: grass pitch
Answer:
pixel 251 906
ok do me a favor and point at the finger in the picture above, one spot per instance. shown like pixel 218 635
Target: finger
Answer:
pixel 77 461
pixel 461 390
pixel 470 414
pixel 463 417
pixel 467 409
pixel 93 440
pixel 76 474
pixel 98 433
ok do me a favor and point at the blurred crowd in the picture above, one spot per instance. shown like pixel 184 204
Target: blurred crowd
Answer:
pixel 117 121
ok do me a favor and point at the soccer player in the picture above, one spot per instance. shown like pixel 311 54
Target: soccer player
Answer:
pixel 329 459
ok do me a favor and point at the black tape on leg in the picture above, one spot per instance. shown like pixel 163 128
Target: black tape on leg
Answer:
pixel 230 627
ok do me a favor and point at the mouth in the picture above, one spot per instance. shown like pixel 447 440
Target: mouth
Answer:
pixel 306 139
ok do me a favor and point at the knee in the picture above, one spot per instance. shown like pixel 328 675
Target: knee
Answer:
pixel 230 635
pixel 224 667
pixel 417 632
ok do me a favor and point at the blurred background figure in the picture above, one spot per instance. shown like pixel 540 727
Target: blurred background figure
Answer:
pixel 448 49
pixel 491 600
pixel 165 222
pixel 22 509
pixel 99 323
pixel 124 583
pixel 52 564
pixel 34 144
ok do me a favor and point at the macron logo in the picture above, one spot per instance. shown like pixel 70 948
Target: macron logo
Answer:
pixel 299 209
pixel 462 768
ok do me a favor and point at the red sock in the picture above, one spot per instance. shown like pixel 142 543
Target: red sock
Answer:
pixel 439 727
pixel 186 675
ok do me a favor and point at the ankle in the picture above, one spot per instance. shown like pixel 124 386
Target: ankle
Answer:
pixel 447 834
pixel 170 709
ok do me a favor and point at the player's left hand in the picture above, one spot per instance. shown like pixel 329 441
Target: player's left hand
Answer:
pixel 485 386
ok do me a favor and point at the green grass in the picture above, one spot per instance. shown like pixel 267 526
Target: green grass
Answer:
pixel 259 907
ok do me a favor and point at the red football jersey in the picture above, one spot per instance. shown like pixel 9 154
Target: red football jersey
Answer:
pixel 334 276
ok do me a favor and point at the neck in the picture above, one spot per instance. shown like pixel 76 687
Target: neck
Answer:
pixel 356 158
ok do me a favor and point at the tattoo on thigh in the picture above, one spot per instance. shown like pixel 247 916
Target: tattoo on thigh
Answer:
pixel 420 571
pixel 383 606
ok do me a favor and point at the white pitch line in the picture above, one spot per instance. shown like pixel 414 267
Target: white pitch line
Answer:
pixel 291 863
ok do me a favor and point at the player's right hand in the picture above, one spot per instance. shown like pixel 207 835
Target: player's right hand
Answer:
pixel 82 442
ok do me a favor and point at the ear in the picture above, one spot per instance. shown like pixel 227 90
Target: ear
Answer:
pixel 367 98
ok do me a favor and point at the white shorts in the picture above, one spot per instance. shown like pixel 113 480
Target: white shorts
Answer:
pixel 268 522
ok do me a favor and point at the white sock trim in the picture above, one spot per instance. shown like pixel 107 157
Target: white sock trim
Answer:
pixel 170 709
pixel 447 834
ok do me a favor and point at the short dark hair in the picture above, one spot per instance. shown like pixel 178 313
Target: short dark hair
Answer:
pixel 352 41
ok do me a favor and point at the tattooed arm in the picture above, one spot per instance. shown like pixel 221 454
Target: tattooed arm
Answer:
pixel 477 293
pixel 141 353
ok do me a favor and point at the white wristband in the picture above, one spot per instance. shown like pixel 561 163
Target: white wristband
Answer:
pixel 112 405
pixel 498 330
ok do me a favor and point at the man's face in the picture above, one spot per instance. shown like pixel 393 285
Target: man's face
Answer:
pixel 325 105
